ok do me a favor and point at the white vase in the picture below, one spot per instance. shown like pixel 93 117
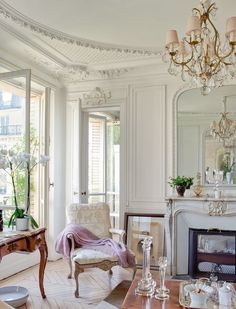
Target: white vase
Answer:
pixel 229 178
pixel 22 224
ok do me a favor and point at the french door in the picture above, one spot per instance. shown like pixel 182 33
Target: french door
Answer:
pixel 100 168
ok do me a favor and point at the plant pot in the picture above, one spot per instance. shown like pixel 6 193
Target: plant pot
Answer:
pixel 180 190
pixel 229 177
pixel 22 224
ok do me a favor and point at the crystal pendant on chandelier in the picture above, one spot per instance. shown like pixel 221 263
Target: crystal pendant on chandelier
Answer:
pixel 200 54
pixel 225 129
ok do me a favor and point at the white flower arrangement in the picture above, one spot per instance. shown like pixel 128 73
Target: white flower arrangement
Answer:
pixel 10 162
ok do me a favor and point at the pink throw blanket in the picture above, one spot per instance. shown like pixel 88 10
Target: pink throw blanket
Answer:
pixel 86 239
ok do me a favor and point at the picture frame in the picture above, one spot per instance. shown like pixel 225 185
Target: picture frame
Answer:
pixel 137 225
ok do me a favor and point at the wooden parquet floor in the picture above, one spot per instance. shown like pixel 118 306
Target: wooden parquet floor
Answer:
pixel 95 285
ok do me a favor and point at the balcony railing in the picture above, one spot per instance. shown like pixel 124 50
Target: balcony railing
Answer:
pixel 11 105
pixel 11 130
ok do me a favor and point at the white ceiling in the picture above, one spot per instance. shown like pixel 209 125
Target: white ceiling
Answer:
pixel 131 23
pixel 74 39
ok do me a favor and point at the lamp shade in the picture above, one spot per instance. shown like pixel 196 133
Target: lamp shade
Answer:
pixel 230 25
pixel 171 38
pixel 193 25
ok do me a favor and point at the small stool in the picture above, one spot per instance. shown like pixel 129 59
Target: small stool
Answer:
pixel 89 258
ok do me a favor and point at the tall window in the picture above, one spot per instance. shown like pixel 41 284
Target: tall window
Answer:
pixel 104 161
pixel 12 136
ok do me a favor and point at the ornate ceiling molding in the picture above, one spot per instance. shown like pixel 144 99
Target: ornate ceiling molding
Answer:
pixel 73 73
pixel 12 14
pixel 97 96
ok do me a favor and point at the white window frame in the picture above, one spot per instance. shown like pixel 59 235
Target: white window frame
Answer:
pixel 26 73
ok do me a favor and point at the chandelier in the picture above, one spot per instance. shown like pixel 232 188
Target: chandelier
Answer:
pixel 225 130
pixel 200 56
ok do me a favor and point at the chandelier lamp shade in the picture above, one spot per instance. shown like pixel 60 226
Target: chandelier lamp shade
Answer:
pixel 200 56
pixel 225 129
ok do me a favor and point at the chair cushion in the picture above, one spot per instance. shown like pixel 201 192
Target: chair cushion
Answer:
pixel 90 256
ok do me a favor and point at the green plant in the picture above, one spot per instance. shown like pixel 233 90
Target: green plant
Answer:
pixel 227 165
pixel 19 213
pixel 183 181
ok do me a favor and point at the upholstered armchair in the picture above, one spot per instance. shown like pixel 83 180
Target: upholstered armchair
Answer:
pixel 95 218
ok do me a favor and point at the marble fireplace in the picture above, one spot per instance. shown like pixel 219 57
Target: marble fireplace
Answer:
pixel 189 213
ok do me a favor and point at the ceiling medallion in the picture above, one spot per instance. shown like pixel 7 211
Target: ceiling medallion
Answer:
pixel 200 56
pixel 225 129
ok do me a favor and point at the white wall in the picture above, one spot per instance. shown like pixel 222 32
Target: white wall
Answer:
pixel 147 101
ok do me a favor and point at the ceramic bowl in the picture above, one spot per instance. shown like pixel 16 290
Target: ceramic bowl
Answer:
pixel 198 294
pixel 14 296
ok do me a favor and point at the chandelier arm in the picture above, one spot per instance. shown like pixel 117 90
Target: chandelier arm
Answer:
pixel 220 60
pixel 229 53
pixel 217 36
pixel 186 65
pixel 183 62
pixel 197 10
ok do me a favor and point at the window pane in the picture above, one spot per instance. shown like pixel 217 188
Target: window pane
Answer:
pixel 96 199
pixel 113 166
pixel 35 149
pixel 96 166
pixel 12 137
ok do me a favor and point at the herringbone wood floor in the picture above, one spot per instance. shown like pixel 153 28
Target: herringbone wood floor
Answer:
pixel 95 285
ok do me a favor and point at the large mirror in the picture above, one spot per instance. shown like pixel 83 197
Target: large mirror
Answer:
pixel 203 142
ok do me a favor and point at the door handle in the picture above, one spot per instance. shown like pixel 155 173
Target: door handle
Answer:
pixel 84 193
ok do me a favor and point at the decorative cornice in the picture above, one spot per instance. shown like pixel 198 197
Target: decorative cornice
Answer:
pixel 12 14
pixel 73 73
pixel 98 96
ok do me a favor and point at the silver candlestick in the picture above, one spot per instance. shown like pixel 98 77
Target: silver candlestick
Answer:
pixel 146 286
pixel 162 292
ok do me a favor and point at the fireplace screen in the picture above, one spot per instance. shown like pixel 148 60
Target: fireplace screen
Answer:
pixel 212 252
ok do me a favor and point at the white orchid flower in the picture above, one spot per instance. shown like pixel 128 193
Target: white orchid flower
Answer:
pixel 44 159
pixel 3 163
pixel 3 152
pixel 11 153
pixel 24 156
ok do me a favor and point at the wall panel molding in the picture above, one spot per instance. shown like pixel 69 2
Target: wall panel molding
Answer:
pixel 146 145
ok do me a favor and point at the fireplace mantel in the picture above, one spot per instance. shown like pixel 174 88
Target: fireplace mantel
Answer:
pixel 191 212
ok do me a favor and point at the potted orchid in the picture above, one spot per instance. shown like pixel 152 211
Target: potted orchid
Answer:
pixel 12 163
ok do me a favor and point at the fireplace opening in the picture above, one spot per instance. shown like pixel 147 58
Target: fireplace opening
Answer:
pixel 212 252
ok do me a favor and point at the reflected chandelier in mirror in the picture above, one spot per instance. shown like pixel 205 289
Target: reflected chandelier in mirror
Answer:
pixel 197 150
pixel 225 130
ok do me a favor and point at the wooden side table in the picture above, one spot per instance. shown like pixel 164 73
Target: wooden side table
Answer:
pixel 133 301
pixel 27 241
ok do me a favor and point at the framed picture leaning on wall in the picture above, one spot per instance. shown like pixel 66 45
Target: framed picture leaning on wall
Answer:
pixel 137 226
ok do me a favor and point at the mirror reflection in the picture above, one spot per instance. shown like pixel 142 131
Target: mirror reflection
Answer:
pixel 206 135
